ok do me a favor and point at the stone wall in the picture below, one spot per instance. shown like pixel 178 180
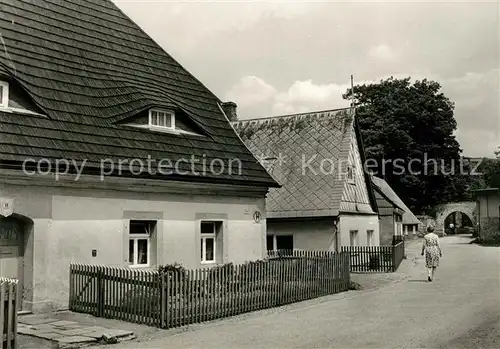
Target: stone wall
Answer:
pixel 490 229
pixel 443 211
pixel 427 221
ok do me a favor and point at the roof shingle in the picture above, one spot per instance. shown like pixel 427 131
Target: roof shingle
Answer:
pixel 291 142
pixel 88 67
pixel 388 192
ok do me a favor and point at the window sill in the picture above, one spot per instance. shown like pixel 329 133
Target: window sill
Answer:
pixel 139 266
pixel 162 129
pixel 208 263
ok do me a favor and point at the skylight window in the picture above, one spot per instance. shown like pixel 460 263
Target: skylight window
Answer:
pixel 4 94
pixel 162 119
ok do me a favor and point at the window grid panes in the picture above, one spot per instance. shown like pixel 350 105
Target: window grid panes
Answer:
pixel 140 243
pixel 208 245
pixel 159 118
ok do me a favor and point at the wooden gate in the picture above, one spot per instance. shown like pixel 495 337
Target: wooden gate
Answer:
pixel 115 292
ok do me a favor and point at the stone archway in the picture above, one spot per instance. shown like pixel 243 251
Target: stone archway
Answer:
pixel 16 254
pixel 468 208
pixel 462 223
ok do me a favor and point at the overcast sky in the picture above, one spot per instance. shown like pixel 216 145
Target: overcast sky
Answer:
pixel 278 57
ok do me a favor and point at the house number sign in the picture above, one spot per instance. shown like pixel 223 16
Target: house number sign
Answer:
pixel 6 206
pixel 256 216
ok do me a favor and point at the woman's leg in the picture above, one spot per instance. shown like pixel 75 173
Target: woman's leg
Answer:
pixel 432 274
pixel 429 273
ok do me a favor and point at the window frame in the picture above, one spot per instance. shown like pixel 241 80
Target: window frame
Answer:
pixel 135 238
pixel 355 240
pixel 204 237
pixel 275 240
pixel 369 237
pixel 5 94
pixel 162 111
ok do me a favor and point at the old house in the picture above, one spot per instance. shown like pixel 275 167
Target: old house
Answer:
pixel 396 219
pixel 112 153
pixel 488 213
pixel 390 214
pixel 326 200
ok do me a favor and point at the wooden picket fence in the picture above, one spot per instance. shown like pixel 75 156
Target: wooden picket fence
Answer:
pixel 8 312
pixel 366 259
pixel 182 297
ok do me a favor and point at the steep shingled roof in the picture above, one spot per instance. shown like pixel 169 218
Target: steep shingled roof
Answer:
pixel 87 66
pixel 288 142
pixel 390 194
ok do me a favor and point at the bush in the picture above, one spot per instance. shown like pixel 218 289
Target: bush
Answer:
pixel 172 269
pixel 374 262
pixel 174 272
pixel 247 271
pixel 141 298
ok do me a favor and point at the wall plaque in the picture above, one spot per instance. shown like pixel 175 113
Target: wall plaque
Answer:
pixel 6 206
pixel 256 217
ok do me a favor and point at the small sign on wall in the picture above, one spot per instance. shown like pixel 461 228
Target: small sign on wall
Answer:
pixel 256 217
pixel 6 206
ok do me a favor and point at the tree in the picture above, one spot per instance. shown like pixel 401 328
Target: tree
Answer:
pixel 490 171
pixel 407 130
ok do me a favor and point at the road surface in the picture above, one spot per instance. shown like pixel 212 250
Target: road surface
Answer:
pixel 459 309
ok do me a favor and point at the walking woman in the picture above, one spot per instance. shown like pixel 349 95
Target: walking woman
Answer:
pixel 432 251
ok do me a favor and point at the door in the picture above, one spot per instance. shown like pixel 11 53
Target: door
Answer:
pixel 9 262
pixel 11 257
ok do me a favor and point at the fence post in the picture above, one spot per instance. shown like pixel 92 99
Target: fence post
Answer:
pixel 100 292
pixel 394 259
pixel 163 300
pixel 71 288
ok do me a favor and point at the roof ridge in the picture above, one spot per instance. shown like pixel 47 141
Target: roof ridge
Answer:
pixel 286 116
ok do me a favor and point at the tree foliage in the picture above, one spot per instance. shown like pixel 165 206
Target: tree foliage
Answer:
pixel 489 173
pixel 408 133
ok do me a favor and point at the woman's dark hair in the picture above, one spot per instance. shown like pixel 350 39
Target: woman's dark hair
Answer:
pixel 430 229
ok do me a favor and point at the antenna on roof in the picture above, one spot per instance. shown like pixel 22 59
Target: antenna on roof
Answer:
pixel 352 91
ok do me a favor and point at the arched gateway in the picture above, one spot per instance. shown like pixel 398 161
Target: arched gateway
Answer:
pixel 461 214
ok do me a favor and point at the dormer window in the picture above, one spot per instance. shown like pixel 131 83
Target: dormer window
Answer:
pixel 4 94
pixel 163 119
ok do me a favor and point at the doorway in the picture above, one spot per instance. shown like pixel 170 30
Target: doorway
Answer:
pixel 12 252
pixel 458 223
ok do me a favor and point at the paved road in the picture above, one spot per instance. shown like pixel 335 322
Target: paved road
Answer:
pixel 460 309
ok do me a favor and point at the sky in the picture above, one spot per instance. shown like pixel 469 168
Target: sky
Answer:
pixel 283 57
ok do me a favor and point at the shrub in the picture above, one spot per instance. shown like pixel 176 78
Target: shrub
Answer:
pixel 141 298
pixel 174 272
pixel 374 261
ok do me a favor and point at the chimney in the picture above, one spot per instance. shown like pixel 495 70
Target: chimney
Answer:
pixel 230 110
